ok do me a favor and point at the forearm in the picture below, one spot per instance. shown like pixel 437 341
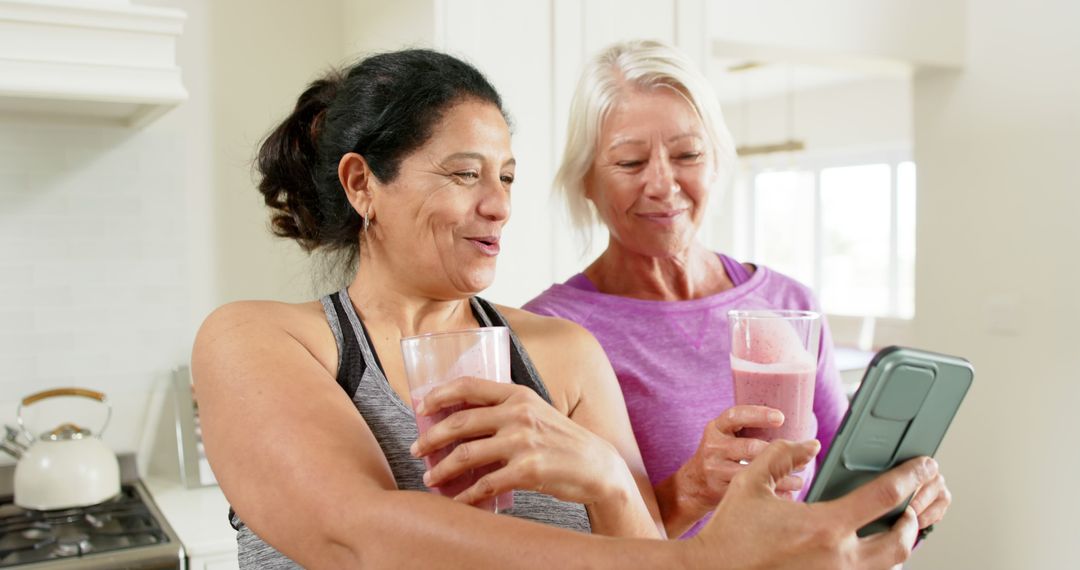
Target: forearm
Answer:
pixel 624 513
pixel 413 529
pixel 678 507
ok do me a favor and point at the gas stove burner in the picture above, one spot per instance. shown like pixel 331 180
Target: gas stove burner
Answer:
pixel 122 532
pixel 74 545
pixel 37 531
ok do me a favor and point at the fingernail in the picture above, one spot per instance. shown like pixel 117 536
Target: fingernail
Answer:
pixel 420 408
pixel 776 417
pixel 414 448
pixel 930 467
pixel 427 478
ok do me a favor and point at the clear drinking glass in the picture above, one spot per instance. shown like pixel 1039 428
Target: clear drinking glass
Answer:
pixel 774 363
pixel 437 358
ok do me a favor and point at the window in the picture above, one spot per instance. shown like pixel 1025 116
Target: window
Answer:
pixel 846 228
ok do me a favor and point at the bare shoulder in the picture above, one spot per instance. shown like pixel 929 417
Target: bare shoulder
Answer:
pixel 236 328
pixel 544 331
pixel 273 313
pixel 569 359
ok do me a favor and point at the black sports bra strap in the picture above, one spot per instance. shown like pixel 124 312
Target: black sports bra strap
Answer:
pixel 352 365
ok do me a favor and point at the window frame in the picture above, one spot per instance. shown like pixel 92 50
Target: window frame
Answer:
pixel 816 162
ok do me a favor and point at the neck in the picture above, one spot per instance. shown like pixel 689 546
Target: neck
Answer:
pixel 692 273
pixel 388 303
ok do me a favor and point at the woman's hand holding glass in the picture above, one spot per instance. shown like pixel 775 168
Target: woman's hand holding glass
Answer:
pixel 535 446
pixel 701 483
pixel 723 454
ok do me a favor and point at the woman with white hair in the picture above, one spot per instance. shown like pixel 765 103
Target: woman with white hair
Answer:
pixel 646 148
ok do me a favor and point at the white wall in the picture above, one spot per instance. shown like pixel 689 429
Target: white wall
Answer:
pixel 263 55
pixel 997 282
pixel 369 27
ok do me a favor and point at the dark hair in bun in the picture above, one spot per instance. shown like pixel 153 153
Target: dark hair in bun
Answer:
pixel 383 108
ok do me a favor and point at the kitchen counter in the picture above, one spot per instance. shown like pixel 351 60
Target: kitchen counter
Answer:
pixel 200 517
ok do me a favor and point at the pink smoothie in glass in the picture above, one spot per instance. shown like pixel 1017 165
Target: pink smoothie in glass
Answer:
pixel 462 482
pixel 788 387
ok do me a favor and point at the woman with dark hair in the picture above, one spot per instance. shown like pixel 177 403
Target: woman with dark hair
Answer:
pixel 403 164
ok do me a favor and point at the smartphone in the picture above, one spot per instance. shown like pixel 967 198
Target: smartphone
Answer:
pixel 903 407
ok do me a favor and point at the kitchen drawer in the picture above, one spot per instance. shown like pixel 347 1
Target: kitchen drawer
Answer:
pixel 217 562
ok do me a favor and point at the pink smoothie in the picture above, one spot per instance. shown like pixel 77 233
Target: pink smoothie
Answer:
pixel 788 387
pixel 459 484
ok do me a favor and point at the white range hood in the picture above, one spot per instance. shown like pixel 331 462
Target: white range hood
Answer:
pixel 102 60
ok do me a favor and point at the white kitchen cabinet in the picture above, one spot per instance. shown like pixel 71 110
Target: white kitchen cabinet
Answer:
pixel 200 518
pixel 105 61
pixel 219 562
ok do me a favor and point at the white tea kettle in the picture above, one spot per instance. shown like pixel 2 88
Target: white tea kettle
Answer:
pixel 68 466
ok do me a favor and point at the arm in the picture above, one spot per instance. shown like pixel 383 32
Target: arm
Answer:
pixel 600 409
pixel 305 473
pixel 699 484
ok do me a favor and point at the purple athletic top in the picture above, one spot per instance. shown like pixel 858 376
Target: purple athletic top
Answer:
pixel 672 361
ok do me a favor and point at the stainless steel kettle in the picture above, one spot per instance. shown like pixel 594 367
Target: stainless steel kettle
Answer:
pixel 67 466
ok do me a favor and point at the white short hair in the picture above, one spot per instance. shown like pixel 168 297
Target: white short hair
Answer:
pixel 641 64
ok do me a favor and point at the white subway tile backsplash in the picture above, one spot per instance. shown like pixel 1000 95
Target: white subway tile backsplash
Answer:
pixel 93 257
pixel 17 321
pixel 115 295
pixel 26 248
pixel 29 342
pixel 107 247
pixel 94 202
pixel 13 274
pixel 29 203
pixel 16 344
pixel 72 318
pixel 69 364
pixel 18 367
pixel 160 294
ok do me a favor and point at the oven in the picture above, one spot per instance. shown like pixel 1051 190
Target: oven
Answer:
pixel 126 532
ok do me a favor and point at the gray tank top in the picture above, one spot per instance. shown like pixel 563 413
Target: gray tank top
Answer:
pixel 392 422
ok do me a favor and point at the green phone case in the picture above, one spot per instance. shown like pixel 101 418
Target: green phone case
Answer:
pixel 904 405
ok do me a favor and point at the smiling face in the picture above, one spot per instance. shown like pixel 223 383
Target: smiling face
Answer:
pixel 437 225
pixel 653 171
